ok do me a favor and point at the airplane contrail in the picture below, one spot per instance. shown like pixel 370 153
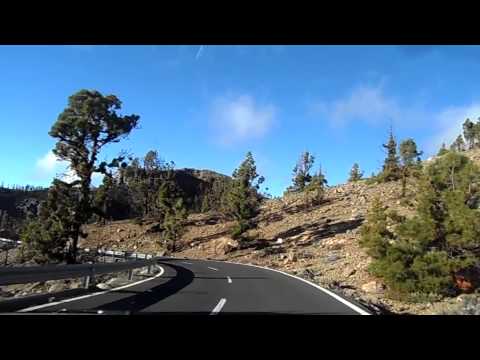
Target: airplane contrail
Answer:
pixel 199 52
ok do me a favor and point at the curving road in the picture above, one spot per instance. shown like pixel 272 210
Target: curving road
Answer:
pixel 210 287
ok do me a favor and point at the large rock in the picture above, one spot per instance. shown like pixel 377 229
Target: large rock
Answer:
pixel 373 287
pixel 56 286
pixel 103 286
pixel 225 245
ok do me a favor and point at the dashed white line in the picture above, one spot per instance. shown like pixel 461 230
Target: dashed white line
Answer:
pixel 229 279
pixel 219 306
pixel 162 270
pixel 187 263
pixel 212 268
pixel 332 294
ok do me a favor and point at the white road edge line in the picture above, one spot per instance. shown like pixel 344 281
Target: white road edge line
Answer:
pixel 219 306
pixel 328 292
pixel 229 279
pixel 213 268
pixel 162 270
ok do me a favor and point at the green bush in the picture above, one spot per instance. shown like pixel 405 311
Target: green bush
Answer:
pixel 239 228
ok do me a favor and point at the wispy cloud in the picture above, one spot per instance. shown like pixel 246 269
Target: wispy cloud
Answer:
pixel 238 119
pixel 199 52
pixel 365 103
pixel 49 166
pixel 372 106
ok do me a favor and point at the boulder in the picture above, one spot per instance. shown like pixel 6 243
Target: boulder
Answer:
pixel 224 245
pixel 349 272
pixel 103 286
pixel 56 287
pixel 373 287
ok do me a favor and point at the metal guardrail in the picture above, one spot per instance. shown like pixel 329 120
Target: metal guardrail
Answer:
pixel 113 253
pixel 8 241
pixel 30 274
pixel 23 275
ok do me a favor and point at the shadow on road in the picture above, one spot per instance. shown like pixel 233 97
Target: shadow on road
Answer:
pixel 144 299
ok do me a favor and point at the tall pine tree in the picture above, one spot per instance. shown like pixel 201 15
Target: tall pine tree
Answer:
pixel 89 123
pixel 391 167
pixel 243 199
pixel 301 172
pixel 355 173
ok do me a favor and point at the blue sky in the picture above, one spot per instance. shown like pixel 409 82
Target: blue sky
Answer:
pixel 205 107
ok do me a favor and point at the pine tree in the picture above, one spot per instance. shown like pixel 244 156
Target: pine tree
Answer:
pixel 316 187
pixel 301 172
pixel 89 122
pixel 469 133
pixel 171 209
pixel 409 152
pixel 443 150
pixel 411 163
pixel 47 238
pixel 173 224
pixel 391 168
pixel 374 233
pixel 426 252
pixel 355 173
pixel 243 199
pixel 458 145
pixel 476 133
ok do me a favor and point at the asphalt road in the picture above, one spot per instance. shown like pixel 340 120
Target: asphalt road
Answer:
pixel 209 287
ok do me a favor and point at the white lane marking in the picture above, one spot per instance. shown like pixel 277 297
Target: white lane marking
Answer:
pixel 219 307
pixel 162 270
pixel 213 268
pixel 187 263
pixel 328 292
pixel 229 279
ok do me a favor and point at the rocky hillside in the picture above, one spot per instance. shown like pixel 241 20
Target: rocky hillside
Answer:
pixel 320 243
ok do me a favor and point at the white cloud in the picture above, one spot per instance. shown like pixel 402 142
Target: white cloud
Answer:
pixel 239 119
pixel 47 163
pixel 449 124
pixel 364 103
pixel 49 166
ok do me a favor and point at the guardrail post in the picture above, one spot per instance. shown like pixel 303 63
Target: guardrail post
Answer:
pixel 89 280
pixel 130 274
pixel 86 282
